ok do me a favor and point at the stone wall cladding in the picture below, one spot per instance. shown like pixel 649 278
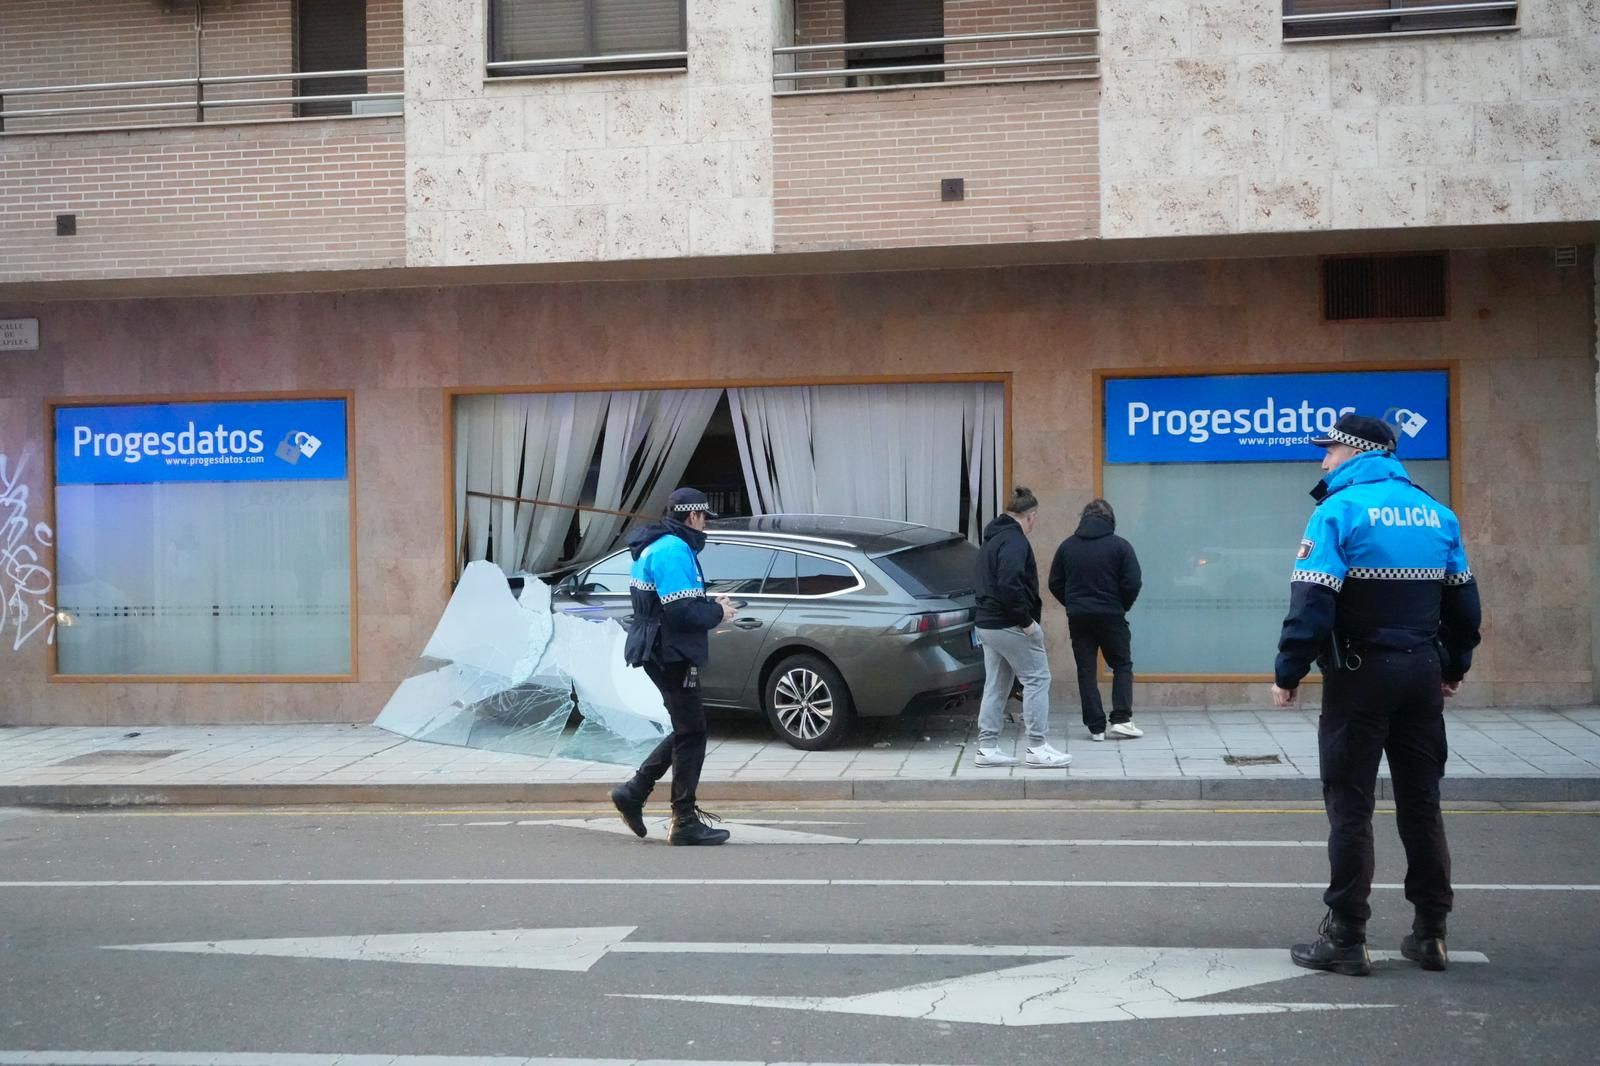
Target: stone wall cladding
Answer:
pixel 567 168
pixel 1211 124
pixel 306 195
pixel 1521 329
pixel 859 170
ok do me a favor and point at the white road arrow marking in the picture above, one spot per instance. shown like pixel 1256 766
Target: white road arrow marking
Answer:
pixel 1088 985
pixel 574 950
pixel 763 832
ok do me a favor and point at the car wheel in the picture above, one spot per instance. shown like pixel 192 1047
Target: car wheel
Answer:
pixel 807 703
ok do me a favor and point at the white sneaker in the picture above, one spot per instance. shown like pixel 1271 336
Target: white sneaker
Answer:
pixel 1047 757
pixel 1097 737
pixel 1126 729
pixel 994 757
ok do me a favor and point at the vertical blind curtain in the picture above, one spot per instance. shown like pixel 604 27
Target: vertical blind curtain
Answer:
pixel 558 29
pixel 929 446
pixel 621 451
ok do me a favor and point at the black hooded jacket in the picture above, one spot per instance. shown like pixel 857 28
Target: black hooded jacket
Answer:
pixel 1008 578
pixel 671 615
pixel 1095 571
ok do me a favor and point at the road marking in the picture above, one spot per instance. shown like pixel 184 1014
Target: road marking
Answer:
pixel 1077 984
pixel 269 1058
pixel 738 882
pixel 753 831
pixel 1113 984
pixel 1037 807
pixel 579 949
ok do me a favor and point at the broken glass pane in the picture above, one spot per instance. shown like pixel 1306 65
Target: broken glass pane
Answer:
pixel 504 674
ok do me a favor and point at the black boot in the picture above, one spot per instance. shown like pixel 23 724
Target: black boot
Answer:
pixel 688 828
pixel 1341 948
pixel 1425 943
pixel 629 799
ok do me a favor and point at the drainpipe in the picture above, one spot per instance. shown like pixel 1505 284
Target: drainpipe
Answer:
pixel 199 68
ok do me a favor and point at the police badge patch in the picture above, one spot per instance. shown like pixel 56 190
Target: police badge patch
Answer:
pixel 1305 550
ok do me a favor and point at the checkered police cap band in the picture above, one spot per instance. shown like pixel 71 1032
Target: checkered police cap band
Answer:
pixel 686 508
pixel 1360 444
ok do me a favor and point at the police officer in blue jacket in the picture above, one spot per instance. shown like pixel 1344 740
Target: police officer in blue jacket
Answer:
pixel 1383 600
pixel 668 638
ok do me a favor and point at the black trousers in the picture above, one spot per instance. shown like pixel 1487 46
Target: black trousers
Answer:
pixel 1093 634
pixel 684 749
pixel 1390 704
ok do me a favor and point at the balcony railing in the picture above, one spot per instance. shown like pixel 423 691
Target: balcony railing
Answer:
pixel 196 100
pixel 1060 63
pixel 1339 19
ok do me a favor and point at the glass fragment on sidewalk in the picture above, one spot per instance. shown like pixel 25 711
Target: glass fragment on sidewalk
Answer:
pixel 503 674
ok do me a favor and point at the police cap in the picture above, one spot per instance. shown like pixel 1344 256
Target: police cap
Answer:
pixel 1360 432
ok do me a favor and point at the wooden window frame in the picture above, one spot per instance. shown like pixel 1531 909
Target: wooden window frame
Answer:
pixel 55 676
pixel 1452 368
pixel 449 396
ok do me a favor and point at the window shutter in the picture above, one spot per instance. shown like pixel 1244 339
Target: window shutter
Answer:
pixel 893 20
pixel 540 29
pixel 624 26
pixel 330 35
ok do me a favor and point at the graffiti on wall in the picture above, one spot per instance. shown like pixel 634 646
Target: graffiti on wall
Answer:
pixel 26 583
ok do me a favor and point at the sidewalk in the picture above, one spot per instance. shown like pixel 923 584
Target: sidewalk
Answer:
pixel 1522 755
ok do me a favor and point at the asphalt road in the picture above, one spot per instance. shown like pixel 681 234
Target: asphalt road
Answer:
pixel 832 933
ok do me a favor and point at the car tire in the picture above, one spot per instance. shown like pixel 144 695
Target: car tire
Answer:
pixel 807 703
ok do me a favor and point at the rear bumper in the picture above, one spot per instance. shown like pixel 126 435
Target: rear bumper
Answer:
pixel 927 679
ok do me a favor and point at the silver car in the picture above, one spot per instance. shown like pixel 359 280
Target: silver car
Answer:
pixel 838 618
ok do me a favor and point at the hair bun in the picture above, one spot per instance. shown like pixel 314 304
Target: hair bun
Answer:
pixel 1021 490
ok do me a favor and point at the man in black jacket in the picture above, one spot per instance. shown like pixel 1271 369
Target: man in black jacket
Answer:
pixel 1095 576
pixel 1012 638
pixel 668 637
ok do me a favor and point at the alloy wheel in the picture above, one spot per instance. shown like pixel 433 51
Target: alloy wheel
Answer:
pixel 803 704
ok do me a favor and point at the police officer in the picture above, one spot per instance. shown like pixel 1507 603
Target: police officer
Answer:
pixel 667 636
pixel 1382 599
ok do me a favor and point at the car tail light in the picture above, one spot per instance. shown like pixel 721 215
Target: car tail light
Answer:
pixel 928 622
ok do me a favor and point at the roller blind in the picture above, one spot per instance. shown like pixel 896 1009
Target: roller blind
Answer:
pixel 893 20
pixel 330 35
pixel 555 29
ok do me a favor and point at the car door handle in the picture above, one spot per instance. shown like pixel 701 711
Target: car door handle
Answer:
pixel 748 623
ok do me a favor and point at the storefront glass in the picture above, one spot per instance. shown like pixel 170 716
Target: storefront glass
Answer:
pixel 1215 506
pixel 203 539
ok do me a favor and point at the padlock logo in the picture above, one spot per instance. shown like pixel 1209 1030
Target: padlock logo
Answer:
pixel 288 451
pixel 307 444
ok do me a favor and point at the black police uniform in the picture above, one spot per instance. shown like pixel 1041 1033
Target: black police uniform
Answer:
pixel 1383 600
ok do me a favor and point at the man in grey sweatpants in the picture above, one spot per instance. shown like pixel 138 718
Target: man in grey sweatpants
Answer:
pixel 1013 640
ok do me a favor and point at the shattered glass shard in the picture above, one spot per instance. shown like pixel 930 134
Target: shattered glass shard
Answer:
pixel 504 674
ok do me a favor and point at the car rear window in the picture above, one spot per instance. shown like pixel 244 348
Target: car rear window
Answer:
pixel 946 568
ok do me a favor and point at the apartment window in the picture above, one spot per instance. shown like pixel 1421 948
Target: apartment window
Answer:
pixel 894 20
pixel 577 36
pixel 329 35
pixel 1384 286
pixel 1304 19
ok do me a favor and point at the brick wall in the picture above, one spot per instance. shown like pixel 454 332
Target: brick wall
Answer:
pixel 65 42
pixel 964 17
pixel 863 169
pixel 318 194
pixel 822 22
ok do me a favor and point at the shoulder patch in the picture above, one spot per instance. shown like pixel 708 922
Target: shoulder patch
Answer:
pixel 1305 549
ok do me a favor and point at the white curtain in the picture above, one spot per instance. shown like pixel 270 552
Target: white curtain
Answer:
pixel 903 452
pixel 543 447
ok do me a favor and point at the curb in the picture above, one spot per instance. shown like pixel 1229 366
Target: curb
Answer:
pixel 1485 789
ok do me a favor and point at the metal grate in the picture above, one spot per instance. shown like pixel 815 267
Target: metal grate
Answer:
pixel 1252 760
pixel 118 758
pixel 1384 286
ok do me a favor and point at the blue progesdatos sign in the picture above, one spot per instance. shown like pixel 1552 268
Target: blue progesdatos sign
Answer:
pixel 256 440
pixel 1267 418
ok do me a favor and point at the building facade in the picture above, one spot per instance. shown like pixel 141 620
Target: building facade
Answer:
pixel 303 307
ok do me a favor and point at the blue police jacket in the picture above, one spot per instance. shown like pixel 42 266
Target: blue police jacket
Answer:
pixel 1381 566
pixel 671 615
